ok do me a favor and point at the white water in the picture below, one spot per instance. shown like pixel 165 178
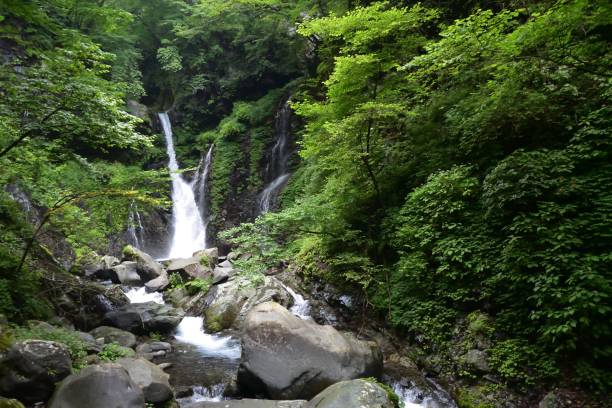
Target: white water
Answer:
pixel 199 186
pixel 210 393
pixel 301 307
pixel 135 228
pixel 270 192
pixel 413 397
pixel 191 331
pixel 140 295
pixel 189 234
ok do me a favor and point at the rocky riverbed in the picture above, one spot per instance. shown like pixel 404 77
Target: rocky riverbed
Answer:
pixel 232 342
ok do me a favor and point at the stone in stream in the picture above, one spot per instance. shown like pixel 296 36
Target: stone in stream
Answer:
pixel 100 267
pixel 98 386
pixel 223 272
pixel 114 335
pixel 149 377
pixel 190 268
pixel 31 368
pixel 147 267
pixel 125 273
pixel 286 357
pixel 153 349
pixel 211 253
pixel 229 302
pixel 143 318
pixel 356 393
pixel 158 284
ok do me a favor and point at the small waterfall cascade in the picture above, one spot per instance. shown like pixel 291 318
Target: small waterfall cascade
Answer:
pixel 191 331
pixel 189 234
pixel 301 306
pixel 277 170
pixel 140 295
pixel 199 186
pixel 135 228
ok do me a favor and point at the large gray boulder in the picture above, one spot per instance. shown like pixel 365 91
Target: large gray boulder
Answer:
pixel 190 268
pixel 230 302
pixel 143 318
pixel 100 267
pixel 31 368
pixel 248 403
pixel 125 273
pixel 149 377
pixel 98 386
pixel 147 267
pixel 114 335
pixel 356 393
pixel 212 254
pixel 286 357
pixel 158 284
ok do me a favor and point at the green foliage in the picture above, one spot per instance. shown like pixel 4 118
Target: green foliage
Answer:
pixel 76 347
pixel 176 281
pixel 518 361
pixel 113 352
pixel 198 285
pixel 390 393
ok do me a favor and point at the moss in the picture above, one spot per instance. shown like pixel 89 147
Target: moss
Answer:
pixel 129 251
pixel 113 352
pixel 473 397
pixel 390 393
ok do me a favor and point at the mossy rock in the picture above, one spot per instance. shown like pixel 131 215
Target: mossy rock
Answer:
pixel 10 403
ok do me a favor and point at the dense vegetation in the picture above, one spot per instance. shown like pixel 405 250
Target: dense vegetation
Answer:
pixel 455 157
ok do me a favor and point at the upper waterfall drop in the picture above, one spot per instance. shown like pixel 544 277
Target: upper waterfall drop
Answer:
pixel 189 233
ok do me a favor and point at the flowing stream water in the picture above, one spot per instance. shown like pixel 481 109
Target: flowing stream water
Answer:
pixel 189 233
pixel 135 228
pixel 199 186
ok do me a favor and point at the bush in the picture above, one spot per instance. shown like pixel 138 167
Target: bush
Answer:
pixel 113 352
pixel 76 346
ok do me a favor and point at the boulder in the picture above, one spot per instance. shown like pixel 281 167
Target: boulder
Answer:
pixel 153 349
pixel 150 378
pixel 147 267
pixel 143 318
pixel 248 403
pixel 356 393
pixel 158 284
pixel 286 357
pixel 189 268
pixel 98 386
pixel 91 345
pixel 100 267
pixel 114 335
pixel 126 274
pixel 211 253
pixel 230 302
pixel 31 368
pixel 477 359
pixel 221 274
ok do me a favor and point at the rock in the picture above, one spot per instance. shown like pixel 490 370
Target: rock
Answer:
pixel 477 359
pixel 114 335
pixel 138 109
pixel 32 367
pixel 164 366
pixel 126 274
pixel 93 359
pixel 143 318
pixel 230 302
pixel 556 399
pixel 147 267
pixel 226 264
pixel 221 274
pixel 158 284
pixel 249 403
pixel 232 256
pixel 10 403
pixel 153 349
pixel 98 386
pixel 286 357
pixel 91 345
pixel 100 267
pixel 211 253
pixel 189 268
pixel 356 393
pixel 178 297
pixel 149 377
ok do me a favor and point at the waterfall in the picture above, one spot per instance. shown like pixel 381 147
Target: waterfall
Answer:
pixel 191 331
pixel 277 170
pixel 135 228
pixel 301 306
pixel 199 185
pixel 189 234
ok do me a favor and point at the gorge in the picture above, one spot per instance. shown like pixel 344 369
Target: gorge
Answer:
pixel 330 204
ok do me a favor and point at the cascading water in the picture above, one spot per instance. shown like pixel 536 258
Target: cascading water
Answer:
pixel 199 185
pixel 301 306
pixel 277 169
pixel 189 234
pixel 140 295
pixel 191 331
pixel 135 228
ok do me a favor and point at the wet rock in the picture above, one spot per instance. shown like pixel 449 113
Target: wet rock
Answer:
pixel 114 335
pixel 190 268
pixel 98 386
pixel 286 357
pixel 147 267
pixel 222 274
pixel 153 349
pixel 143 318
pixel 478 360
pixel 211 253
pixel 99 267
pixel 158 284
pixel 149 377
pixel 356 393
pixel 248 403
pixel 125 273
pixel 32 367
pixel 91 345
pixel 178 297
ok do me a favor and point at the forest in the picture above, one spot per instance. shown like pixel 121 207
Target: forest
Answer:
pixel 447 164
